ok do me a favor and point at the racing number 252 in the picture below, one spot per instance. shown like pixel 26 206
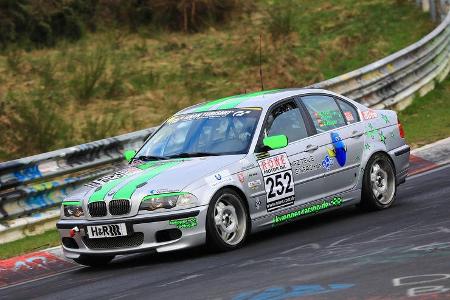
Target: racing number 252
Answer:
pixel 280 181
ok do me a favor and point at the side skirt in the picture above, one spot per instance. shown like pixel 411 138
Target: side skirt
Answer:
pixel 287 215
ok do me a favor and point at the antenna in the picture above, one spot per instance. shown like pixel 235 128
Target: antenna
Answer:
pixel 260 66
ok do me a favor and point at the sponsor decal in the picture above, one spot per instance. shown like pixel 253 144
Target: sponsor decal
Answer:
pixel 219 178
pixel 114 176
pixel 328 117
pixel 370 132
pixel 241 177
pixel 367 146
pixel 252 175
pixel 254 184
pixel 339 150
pixel 385 118
pixel 349 116
pixel 246 164
pixel 327 163
pixel 304 165
pixel 382 137
pixel 278 181
pixel 369 114
pixel 162 191
pixel 211 115
pixel 258 203
pixel 184 223
pixel 336 201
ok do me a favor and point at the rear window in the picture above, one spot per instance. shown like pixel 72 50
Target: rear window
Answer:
pixel 350 112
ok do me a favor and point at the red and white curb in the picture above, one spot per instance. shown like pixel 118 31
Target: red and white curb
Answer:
pixel 32 266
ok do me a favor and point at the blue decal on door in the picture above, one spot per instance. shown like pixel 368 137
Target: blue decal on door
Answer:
pixel 339 150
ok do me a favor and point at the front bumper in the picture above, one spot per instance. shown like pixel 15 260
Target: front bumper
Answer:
pixel 146 232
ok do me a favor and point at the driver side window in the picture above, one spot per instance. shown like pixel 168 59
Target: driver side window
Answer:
pixel 286 119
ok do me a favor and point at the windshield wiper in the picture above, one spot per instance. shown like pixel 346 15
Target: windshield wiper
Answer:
pixel 150 157
pixel 193 154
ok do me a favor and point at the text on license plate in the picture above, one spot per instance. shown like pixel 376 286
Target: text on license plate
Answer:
pixel 103 231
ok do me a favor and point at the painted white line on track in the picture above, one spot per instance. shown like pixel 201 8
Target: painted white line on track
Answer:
pixel 40 278
pixel 180 280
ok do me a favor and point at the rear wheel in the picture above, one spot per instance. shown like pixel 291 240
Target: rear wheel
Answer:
pixel 93 261
pixel 379 183
pixel 227 223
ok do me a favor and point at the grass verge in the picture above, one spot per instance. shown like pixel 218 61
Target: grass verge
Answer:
pixel 29 244
pixel 427 119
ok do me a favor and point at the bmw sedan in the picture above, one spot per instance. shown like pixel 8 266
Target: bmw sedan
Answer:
pixel 218 171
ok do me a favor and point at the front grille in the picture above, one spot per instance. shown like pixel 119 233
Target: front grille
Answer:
pixel 130 241
pixel 119 207
pixel 97 209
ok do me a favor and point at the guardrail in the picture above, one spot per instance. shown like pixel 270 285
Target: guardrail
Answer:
pixel 31 188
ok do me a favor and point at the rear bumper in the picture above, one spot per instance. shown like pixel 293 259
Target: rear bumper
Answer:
pixel 400 157
pixel 145 234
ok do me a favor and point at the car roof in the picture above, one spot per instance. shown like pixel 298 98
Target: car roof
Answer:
pixel 263 99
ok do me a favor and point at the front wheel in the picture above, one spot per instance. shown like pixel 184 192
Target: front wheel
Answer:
pixel 227 222
pixel 379 183
pixel 93 261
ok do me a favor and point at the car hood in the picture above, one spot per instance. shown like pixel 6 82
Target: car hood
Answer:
pixel 147 178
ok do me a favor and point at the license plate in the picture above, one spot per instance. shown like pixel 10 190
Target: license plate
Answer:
pixel 105 231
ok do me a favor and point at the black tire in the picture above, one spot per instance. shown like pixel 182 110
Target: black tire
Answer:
pixel 379 175
pixel 215 234
pixel 94 261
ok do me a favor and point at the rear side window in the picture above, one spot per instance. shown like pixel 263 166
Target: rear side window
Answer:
pixel 286 119
pixel 350 112
pixel 324 112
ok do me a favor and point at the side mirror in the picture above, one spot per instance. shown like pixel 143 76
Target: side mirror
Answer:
pixel 129 154
pixel 276 141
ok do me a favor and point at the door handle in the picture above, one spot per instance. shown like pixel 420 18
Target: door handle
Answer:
pixel 312 148
pixel 356 134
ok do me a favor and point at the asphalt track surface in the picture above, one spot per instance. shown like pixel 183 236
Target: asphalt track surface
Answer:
pixel 346 254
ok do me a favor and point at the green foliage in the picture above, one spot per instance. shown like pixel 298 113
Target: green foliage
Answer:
pixel 427 119
pixel 190 15
pixel 43 23
pixel 108 124
pixel 90 69
pixel 283 17
pixel 33 123
pixel 30 243
pixel 13 60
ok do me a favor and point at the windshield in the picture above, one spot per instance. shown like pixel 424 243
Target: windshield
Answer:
pixel 217 132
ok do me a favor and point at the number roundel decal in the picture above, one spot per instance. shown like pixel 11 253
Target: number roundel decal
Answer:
pixel 278 181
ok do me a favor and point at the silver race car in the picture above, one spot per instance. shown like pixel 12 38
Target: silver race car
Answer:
pixel 215 172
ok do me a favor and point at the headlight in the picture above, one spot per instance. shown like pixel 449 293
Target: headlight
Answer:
pixel 168 201
pixel 72 209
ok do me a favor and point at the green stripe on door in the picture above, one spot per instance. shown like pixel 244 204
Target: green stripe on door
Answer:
pixel 100 193
pixel 127 191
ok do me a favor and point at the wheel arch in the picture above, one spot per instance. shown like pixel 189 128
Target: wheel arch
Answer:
pixel 385 154
pixel 242 195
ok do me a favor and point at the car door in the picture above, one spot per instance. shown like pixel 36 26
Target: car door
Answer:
pixel 339 136
pixel 291 175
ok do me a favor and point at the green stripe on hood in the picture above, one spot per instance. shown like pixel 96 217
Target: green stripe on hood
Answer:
pixel 127 191
pixel 102 191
